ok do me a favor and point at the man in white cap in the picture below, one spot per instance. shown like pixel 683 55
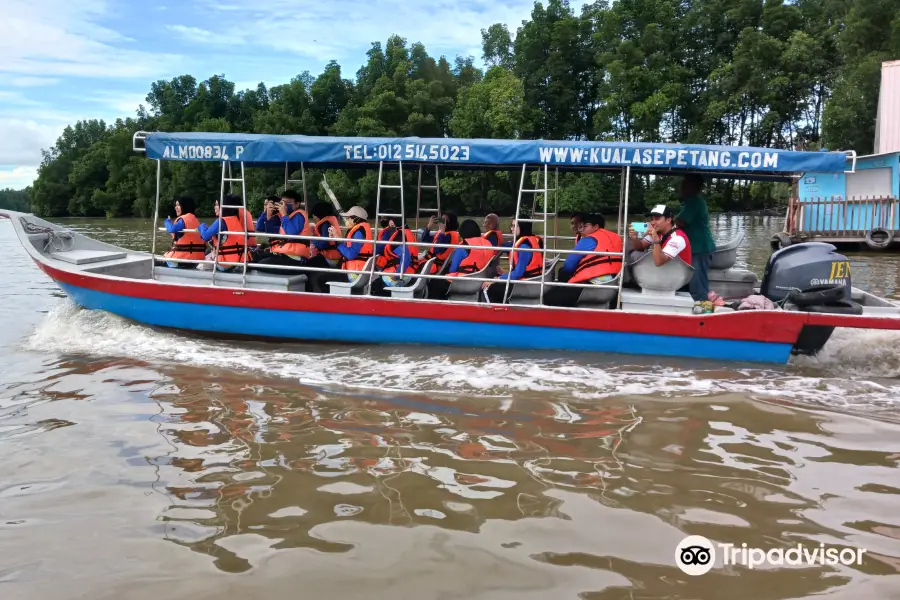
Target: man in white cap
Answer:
pixel 666 240
pixel 353 254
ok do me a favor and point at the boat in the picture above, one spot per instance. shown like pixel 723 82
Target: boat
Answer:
pixel 810 283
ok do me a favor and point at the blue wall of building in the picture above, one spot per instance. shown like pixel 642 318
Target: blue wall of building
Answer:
pixel 823 187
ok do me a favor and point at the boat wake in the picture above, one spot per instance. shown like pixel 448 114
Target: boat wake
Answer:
pixel 857 369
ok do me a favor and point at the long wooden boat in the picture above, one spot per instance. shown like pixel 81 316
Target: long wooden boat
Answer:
pixel 131 284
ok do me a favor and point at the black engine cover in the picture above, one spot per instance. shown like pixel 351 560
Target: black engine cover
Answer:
pixel 801 267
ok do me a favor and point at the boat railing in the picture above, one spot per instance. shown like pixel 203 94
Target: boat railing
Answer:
pixel 842 217
pixel 305 268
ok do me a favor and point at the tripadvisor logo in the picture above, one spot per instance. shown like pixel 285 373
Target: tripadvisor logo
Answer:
pixel 696 555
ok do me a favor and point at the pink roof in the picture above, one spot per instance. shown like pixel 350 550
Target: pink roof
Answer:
pixel 887 123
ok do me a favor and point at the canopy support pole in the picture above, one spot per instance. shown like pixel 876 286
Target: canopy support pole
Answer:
pixel 627 176
pixel 155 221
pixel 217 245
pixel 244 217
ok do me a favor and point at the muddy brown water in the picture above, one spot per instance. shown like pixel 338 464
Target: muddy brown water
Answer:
pixel 143 463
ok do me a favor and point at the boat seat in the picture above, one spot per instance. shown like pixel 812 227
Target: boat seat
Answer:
pixel 467 291
pixel 667 279
pixel 84 257
pixel 725 254
pixel 348 288
pixel 599 296
pixel 419 288
pixel 531 294
pixel 255 279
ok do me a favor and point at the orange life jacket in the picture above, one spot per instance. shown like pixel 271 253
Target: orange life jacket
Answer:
pixel 477 259
pixel 367 251
pixel 330 252
pixel 590 267
pixel 535 260
pixel 499 239
pixel 442 254
pixel 298 248
pixel 189 246
pixel 390 260
pixel 249 224
pixel 232 249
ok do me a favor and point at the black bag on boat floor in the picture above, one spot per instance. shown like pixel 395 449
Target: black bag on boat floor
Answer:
pixel 841 307
pixel 818 296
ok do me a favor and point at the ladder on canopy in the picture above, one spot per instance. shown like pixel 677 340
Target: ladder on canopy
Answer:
pixel 227 177
pixel 436 188
pixel 542 175
pixel 397 217
pixel 302 181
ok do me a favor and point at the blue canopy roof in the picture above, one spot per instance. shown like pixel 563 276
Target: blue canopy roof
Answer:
pixel 368 151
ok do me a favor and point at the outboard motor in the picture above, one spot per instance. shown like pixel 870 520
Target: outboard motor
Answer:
pixel 812 277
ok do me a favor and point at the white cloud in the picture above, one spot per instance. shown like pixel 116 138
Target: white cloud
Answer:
pixel 18 178
pixel 21 141
pixel 193 34
pixel 338 30
pixel 62 37
pixel 26 82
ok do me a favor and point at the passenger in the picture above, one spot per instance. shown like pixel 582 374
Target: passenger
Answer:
pixel 269 220
pixel 447 233
pixel 523 265
pixel 664 237
pixel 586 268
pixel 464 261
pixel 693 220
pixel 325 254
pixel 186 245
pixel 577 223
pixel 394 257
pixel 209 255
pixel 287 252
pixel 492 231
pixel 353 254
pixel 231 248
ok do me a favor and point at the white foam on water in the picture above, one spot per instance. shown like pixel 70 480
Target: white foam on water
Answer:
pixel 856 369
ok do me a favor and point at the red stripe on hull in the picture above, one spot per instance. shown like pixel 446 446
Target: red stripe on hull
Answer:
pixel 781 327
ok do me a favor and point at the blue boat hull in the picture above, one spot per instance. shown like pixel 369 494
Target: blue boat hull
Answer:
pixel 315 326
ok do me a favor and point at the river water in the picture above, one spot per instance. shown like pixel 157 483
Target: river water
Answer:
pixel 140 463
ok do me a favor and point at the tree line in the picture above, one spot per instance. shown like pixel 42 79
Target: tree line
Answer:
pixel 798 74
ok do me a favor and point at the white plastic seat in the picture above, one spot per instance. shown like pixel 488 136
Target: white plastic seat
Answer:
pixel 463 289
pixel 346 288
pixel 600 295
pixel 531 294
pixel 667 279
pixel 255 279
pixel 725 254
pixel 418 289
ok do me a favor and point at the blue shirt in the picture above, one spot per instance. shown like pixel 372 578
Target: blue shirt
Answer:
pixel 352 251
pixel 272 225
pixel 585 244
pixel 522 260
pixel 456 258
pixel 322 231
pixel 208 232
pixel 175 227
pixel 438 238
pixel 403 253
pixel 293 225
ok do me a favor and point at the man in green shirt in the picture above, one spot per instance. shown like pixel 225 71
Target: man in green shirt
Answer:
pixel 694 221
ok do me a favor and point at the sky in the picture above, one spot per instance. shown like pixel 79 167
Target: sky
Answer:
pixel 65 60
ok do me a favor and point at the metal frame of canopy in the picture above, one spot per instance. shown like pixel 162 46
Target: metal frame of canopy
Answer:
pixel 264 150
